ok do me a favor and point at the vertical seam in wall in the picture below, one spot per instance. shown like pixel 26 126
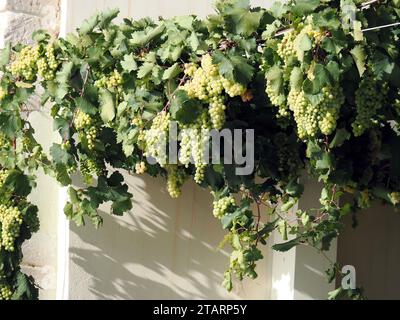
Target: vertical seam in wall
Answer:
pixel 62 292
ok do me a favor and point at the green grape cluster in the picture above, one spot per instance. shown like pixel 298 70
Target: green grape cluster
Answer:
pixel 289 162
pixel 11 221
pixel 25 64
pixel 321 117
pixel 369 99
pixel 217 112
pixel 316 35
pixel 395 198
pixel 185 152
pixel 3 176
pixel 194 139
pixel 113 82
pixel 140 168
pixel 176 177
pixel 243 258
pixel 208 85
pixel 84 123
pixel 4 141
pixel 286 48
pixel 223 206
pixel 48 64
pixel 156 138
pixel 3 94
pixel 5 293
pixel 91 135
pixel 277 100
pixel 82 120
pixel 91 167
pixel 190 69
pixel 137 121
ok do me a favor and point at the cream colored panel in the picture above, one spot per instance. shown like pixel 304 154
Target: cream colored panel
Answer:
pixel 163 249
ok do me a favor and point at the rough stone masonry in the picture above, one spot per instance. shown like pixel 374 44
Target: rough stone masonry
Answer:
pixel 19 18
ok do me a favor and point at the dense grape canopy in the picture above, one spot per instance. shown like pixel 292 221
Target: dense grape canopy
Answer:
pixel 322 96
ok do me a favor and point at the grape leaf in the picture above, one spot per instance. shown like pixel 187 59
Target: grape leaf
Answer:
pixel 275 83
pixel 303 7
pixel 64 75
pixel 296 78
pixel 225 65
pixel 107 16
pixel 184 109
pixel 359 57
pixel 278 9
pixel 172 72
pixel 234 67
pixel 141 38
pixel 304 43
pixel 284 247
pixel 85 105
pixel 5 54
pixel 243 72
pixel 327 19
pixel 10 124
pixel 340 137
pixel 107 106
pixel 185 22
pixel 145 69
pixel 382 66
pixel 18 183
pixel 60 156
pixel 334 70
pixel 129 63
pixel 194 41
pixel 90 24
pixel 242 21
pixel 357 32
pixel 26 290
